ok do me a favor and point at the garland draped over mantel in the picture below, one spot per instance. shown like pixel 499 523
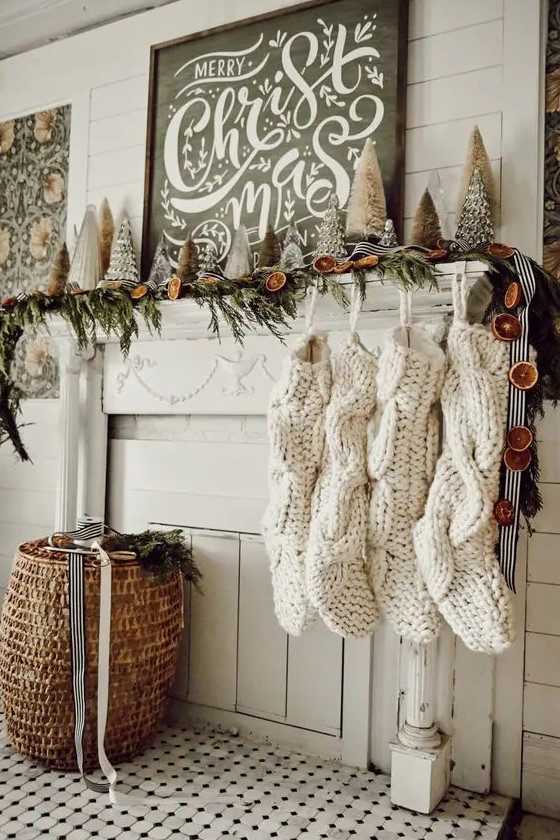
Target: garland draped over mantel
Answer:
pixel 256 302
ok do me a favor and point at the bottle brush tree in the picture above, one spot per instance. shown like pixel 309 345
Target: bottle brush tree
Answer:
pixel 367 209
pixel 270 250
pixel 426 228
pixel 58 275
pixel 188 265
pixel 477 158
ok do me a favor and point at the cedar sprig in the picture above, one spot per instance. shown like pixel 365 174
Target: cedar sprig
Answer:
pixel 158 552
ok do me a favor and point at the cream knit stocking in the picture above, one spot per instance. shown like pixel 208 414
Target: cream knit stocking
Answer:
pixel 336 576
pixel 403 443
pixel 455 540
pixel 296 424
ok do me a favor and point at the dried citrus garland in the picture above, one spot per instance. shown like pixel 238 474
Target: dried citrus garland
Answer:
pixel 269 299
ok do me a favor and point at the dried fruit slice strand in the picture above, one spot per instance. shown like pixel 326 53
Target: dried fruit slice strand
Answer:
pixel 496 249
pixel 275 281
pixel 513 295
pixel 174 288
pixel 517 461
pixel 523 375
pixel 506 327
pixel 366 262
pixel 436 254
pixel 138 291
pixel 324 263
pixel 343 267
pixel 519 438
pixel 504 512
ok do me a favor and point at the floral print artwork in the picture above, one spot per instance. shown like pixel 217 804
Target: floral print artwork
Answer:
pixel 33 198
pixel 551 233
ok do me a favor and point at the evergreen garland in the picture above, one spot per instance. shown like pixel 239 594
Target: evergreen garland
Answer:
pixel 158 552
pixel 247 303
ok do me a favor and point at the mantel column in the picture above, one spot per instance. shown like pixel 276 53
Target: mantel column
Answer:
pixel 70 363
pixel 421 757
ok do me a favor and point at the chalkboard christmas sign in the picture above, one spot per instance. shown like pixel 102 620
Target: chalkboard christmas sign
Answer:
pixel 257 123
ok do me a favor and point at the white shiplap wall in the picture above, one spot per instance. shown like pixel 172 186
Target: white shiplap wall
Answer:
pixel 463 68
pixel 28 491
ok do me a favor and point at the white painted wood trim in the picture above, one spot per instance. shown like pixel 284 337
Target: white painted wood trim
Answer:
pixel 356 706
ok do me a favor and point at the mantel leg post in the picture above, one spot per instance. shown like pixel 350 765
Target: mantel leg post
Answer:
pixel 70 361
pixel 421 756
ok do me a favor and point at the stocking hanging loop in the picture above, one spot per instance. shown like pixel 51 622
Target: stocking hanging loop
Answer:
pixel 310 304
pixel 356 302
pixel 459 289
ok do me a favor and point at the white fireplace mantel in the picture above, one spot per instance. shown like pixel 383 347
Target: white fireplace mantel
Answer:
pixel 186 370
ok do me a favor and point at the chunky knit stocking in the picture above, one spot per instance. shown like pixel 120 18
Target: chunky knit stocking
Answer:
pixel 455 540
pixel 403 442
pixel 296 423
pixel 336 576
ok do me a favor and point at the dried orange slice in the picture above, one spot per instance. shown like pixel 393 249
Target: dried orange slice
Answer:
pixel 139 291
pixel 275 281
pixel 324 264
pixel 343 267
pixel 174 288
pixel 513 295
pixel 519 438
pixel 517 461
pixel 504 512
pixel 366 262
pixel 523 375
pixel 506 327
pixel 113 285
pixel 496 249
pixel 209 281
pixel 436 254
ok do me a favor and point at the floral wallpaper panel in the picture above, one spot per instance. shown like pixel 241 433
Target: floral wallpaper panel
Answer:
pixel 34 154
pixel 551 232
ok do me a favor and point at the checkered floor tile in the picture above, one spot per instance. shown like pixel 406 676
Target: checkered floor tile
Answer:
pixel 232 788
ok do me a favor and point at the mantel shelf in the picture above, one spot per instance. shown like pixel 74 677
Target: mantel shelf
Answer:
pixel 184 319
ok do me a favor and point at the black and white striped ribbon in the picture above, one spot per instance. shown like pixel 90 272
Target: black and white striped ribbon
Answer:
pixel 516 416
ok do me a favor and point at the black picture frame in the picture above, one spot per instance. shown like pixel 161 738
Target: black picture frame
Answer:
pixel 238 38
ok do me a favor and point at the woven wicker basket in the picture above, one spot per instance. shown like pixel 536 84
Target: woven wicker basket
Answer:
pixel 35 670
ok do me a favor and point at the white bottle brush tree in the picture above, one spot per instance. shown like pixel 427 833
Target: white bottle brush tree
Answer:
pixel 366 213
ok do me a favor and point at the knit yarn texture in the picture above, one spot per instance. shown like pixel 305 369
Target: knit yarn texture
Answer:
pixel 403 442
pixel 296 426
pixel 337 579
pixel 456 538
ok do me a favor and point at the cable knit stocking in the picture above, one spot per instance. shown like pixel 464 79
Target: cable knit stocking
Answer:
pixel 336 576
pixel 455 540
pixel 403 444
pixel 296 421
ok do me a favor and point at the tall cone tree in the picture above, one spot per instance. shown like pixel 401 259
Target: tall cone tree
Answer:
pixel 367 209
pixel 106 234
pixel 239 261
pixel 426 228
pixel 270 250
pixel 56 284
pixel 188 265
pixel 477 158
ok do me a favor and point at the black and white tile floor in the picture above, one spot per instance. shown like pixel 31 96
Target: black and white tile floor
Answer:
pixel 233 789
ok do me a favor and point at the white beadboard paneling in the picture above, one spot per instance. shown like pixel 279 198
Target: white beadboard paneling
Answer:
pixel 428 17
pixel 448 55
pixel 122 198
pixel 118 167
pixel 472 747
pixel 540 709
pixel 213 635
pixel 315 679
pixel 262 644
pixel 455 97
pixel 180 686
pixel 543 614
pixel 11 535
pixel 445 144
pixel 118 131
pixel 201 468
pixel 542 659
pixel 39 421
pixel 544 559
pixel 547 520
pixel 541 775
pixel 125 94
pixel 385 694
